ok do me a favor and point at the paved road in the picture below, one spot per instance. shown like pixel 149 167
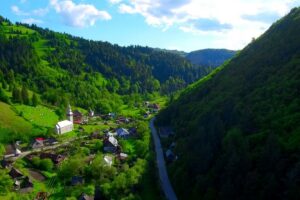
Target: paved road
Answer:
pixel 45 148
pixel 163 174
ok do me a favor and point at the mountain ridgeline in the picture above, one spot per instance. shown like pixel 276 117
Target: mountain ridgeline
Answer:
pixel 210 57
pixel 237 130
pixel 85 71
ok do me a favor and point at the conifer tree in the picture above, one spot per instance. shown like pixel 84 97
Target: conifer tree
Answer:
pixel 35 100
pixel 3 96
pixel 25 95
pixel 16 95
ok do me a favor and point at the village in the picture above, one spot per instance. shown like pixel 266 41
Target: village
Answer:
pixel 111 141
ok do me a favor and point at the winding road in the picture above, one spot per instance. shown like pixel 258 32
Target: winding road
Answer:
pixel 163 174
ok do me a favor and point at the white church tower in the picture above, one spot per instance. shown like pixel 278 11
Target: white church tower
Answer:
pixel 70 114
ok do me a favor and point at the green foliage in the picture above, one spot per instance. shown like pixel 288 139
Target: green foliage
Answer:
pixel 25 95
pixel 35 100
pixel 237 130
pixel 42 164
pixel 14 127
pixel 16 95
pixel 50 63
pixel 3 96
pixel 5 182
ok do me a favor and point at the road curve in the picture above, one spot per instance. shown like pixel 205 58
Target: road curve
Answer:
pixel 163 174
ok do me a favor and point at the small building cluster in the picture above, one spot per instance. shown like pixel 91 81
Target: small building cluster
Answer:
pixel 21 182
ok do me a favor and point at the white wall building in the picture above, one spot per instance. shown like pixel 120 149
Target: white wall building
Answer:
pixel 64 127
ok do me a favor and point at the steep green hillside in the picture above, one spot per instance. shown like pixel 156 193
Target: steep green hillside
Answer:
pixel 210 57
pixel 85 71
pixel 238 132
pixel 13 127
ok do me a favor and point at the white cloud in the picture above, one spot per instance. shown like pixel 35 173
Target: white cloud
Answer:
pixel 23 1
pixel 32 21
pixel 233 22
pixel 115 1
pixel 79 15
pixel 40 11
pixel 17 11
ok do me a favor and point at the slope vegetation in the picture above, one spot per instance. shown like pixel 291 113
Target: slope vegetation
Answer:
pixel 238 132
pixel 82 71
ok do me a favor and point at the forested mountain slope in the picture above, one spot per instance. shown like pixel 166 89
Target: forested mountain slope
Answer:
pixel 85 71
pixel 210 57
pixel 238 132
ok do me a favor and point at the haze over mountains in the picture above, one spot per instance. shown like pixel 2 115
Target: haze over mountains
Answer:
pixel 210 57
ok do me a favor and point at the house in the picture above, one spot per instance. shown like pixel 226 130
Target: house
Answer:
pixel 17 144
pixel 110 144
pixel 122 133
pixel 122 156
pixel 50 141
pixel 90 159
pixel 91 113
pixel 154 107
pixel 170 156
pixel 6 163
pixel 77 117
pixel 56 158
pixel 122 119
pixel 172 145
pixel 84 196
pixel 77 180
pixel 147 114
pixel 110 134
pixel 17 184
pixel 17 152
pixel 15 174
pixel 112 115
pixel 108 160
pixel 147 103
pixel 165 132
pixel 133 131
pixel 38 143
pixel 24 184
pixel 9 151
pixel 64 127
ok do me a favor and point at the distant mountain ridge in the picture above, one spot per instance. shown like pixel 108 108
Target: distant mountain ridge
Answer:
pixel 210 57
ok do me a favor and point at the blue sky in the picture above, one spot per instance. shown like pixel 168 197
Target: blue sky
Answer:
pixel 171 24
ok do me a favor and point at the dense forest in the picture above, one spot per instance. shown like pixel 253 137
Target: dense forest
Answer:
pixel 210 57
pixel 84 71
pixel 237 130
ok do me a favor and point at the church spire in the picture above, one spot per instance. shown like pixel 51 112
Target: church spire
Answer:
pixel 70 113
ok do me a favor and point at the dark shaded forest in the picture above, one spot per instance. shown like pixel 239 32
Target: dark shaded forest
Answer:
pixel 238 131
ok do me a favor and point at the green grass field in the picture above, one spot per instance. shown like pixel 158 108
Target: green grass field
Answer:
pixel 40 115
pixel 10 120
